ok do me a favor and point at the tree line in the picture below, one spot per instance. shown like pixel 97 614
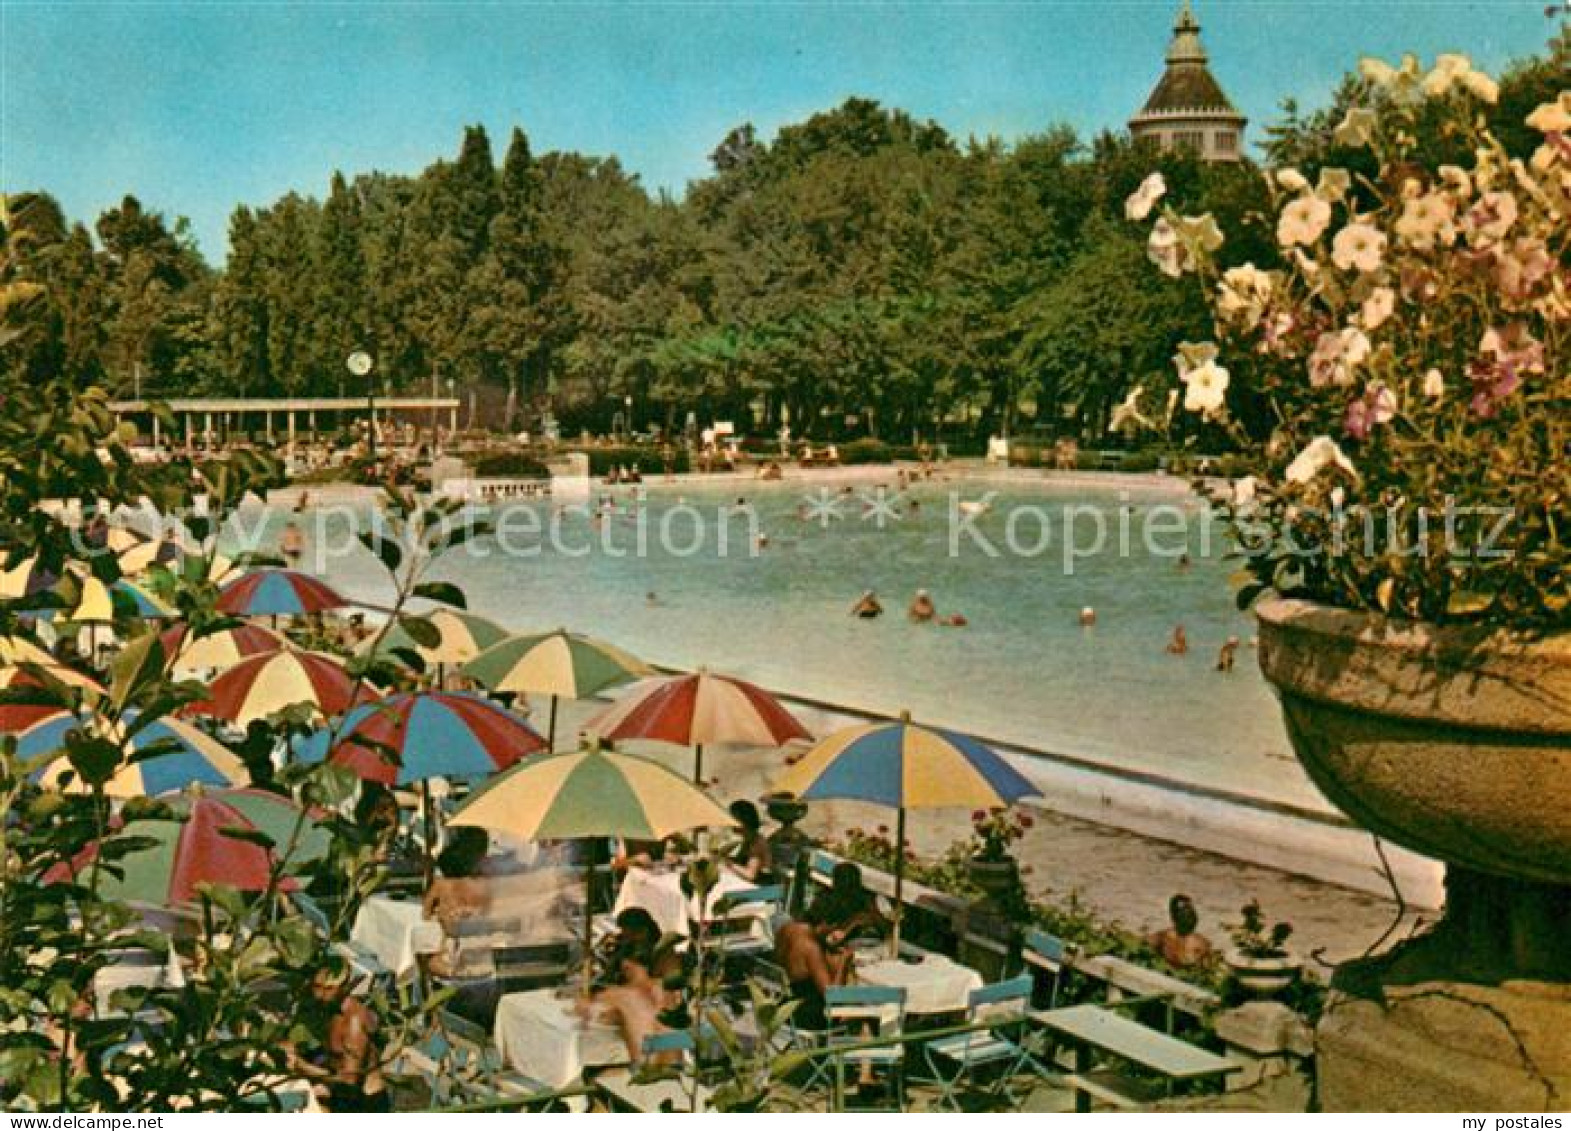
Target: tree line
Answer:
pixel 862 273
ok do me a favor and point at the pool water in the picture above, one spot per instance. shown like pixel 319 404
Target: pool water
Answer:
pixel 1023 670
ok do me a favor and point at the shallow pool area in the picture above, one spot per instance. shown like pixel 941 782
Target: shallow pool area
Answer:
pixel 1022 670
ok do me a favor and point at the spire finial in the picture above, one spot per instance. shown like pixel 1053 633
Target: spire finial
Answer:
pixel 1186 47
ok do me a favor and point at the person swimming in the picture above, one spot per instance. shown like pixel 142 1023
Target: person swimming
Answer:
pixel 1229 652
pixel 1179 644
pixel 867 606
pixel 921 610
pixel 1087 617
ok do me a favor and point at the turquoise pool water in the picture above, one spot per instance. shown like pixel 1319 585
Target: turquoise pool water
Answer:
pixel 1023 670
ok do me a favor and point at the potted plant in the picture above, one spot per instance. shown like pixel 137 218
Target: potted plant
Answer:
pixel 1404 390
pixel 1259 960
pixel 991 868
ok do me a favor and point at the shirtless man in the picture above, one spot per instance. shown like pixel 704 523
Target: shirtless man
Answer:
pixel 1179 645
pixel 1180 945
pixel 922 610
pixel 633 1007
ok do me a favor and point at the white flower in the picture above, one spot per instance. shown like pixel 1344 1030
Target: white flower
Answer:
pixel 1434 384
pixel 1163 250
pixel 1404 84
pixel 1334 184
pixel 1199 235
pixel 1244 491
pixel 1357 128
pixel 1127 416
pixel 1455 178
pixel 1320 453
pixel 1427 220
pixel 1244 295
pixel 1482 87
pixel 1292 180
pixel 1358 246
pixel 1144 198
pixel 1303 221
pixel 1337 355
pixel 1553 117
pixel 1377 71
pixel 1378 307
pixel 1449 69
pixel 1206 389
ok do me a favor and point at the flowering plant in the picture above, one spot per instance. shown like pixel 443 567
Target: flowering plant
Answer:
pixel 994 830
pixel 1254 939
pixel 1408 345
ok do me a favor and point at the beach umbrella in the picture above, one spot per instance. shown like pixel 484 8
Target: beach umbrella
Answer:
pixel 21 650
pixel 698 710
pixel 259 687
pixel 198 847
pixel 904 766
pixel 278 593
pixel 411 737
pixel 190 656
pixel 26 578
pixel 171 554
pixel 462 637
pixel 120 600
pixel 34 674
pixel 560 664
pixel 590 793
pixel 166 754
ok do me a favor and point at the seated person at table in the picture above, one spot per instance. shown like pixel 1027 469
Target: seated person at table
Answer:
pixel 633 1007
pixel 638 854
pixel 459 892
pixel 345 1064
pixel 812 950
pixel 639 942
pixel 752 858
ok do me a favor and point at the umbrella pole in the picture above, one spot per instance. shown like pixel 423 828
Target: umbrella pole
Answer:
pixel 900 875
pixel 698 764
pixel 430 827
pixel 589 914
pixel 551 732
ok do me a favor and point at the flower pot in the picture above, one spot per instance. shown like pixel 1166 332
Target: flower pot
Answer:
pixel 786 809
pixel 995 878
pixel 1452 741
pixel 1263 975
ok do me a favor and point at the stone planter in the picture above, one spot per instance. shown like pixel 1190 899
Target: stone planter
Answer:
pixel 995 878
pixel 1451 741
pixel 1263 975
pixel 1456 743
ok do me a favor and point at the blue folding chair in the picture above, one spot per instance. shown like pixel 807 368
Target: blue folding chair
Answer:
pixel 1048 954
pixel 862 1013
pixel 998 1047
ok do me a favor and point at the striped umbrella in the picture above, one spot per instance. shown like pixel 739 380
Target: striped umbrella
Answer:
pixel 33 674
pixel 26 578
pixel 463 637
pixel 590 793
pixel 558 664
pixel 258 687
pixel 699 710
pixel 121 600
pixel 21 650
pixel 904 766
pixel 171 554
pixel 408 738
pixel 198 847
pixel 278 593
pixel 190 656
pixel 173 754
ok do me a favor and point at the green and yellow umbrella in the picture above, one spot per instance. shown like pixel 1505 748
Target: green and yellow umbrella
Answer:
pixel 559 664
pixel 461 637
pixel 590 793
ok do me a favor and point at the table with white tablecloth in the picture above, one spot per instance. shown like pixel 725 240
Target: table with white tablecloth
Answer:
pixel 396 931
pixel 541 1035
pixel 936 984
pixel 659 892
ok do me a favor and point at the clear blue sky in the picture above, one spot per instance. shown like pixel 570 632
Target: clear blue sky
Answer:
pixel 197 107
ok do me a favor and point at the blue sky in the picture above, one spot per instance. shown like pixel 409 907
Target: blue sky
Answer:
pixel 197 107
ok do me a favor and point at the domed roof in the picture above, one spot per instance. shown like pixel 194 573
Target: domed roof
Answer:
pixel 1187 87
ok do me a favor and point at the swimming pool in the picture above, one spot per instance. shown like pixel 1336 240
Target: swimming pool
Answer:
pixel 1023 670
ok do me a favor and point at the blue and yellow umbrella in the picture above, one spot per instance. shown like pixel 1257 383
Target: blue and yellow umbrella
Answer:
pixel 904 766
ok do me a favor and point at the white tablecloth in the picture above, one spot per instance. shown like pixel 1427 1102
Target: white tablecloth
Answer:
pixel 540 1035
pixel 935 985
pixel 660 894
pixel 396 932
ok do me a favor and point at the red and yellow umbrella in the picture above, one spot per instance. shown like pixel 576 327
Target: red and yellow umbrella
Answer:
pixel 259 687
pixel 698 710
pixel 191 655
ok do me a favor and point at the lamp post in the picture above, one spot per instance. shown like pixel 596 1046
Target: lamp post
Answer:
pixel 360 364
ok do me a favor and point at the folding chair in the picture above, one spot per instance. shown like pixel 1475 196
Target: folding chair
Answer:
pixel 852 1010
pixel 955 1059
pixel 1049 955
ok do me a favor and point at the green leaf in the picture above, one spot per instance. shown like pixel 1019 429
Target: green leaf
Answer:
pixel 443 592
pixel 421 631
pixel 385 549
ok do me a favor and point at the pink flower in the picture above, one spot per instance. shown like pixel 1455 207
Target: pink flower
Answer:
pixel 1377 406
pixel 1505 356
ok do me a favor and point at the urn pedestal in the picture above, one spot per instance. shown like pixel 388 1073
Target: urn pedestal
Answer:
pixel 1455 743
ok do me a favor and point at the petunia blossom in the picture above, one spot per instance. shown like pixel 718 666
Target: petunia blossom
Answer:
pixel 1162 248
pixel 1357 128
pixel 1377 308
pixel 1359 246
pixel 1337 354
pixel 1376 407
pixel 1303 221
pixel 1553 117
pixel 1205 389
pixel 1319 454
pixel 1244 294
pixel 1434 384
pixel 1426 221
pixel 1144 198
pixel 1491 218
